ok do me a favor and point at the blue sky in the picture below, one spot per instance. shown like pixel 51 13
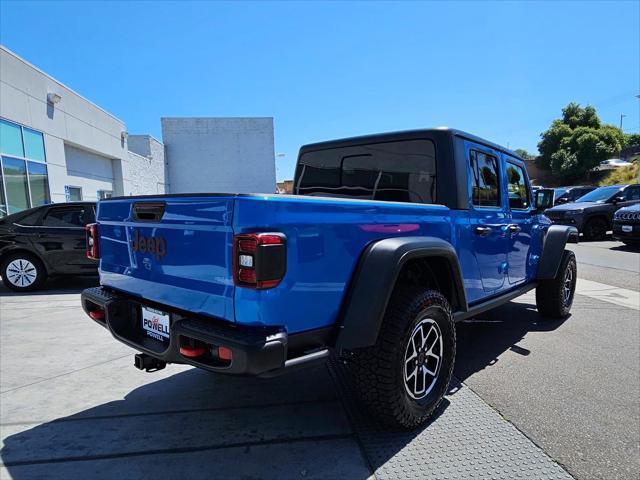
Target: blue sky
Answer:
pixel 328 70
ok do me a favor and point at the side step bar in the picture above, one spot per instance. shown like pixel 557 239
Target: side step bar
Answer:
pixel 493 303
pixel 298 363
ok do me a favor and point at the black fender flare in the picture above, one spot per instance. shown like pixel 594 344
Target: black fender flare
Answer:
pixel 374 279
pixel 553 245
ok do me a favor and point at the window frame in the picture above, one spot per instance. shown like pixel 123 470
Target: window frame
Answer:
pixel 526 184
pixel 475 149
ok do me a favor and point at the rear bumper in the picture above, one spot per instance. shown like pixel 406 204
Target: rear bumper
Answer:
pixel 255 350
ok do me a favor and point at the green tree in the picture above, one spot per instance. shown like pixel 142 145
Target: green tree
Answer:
pixel 631 140
pixel 524 154
pixel 576 143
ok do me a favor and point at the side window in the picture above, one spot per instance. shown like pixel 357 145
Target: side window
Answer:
pixel 66 217
pixel 31 219
pixel 517 186
pixel 633 193
pixel 485 190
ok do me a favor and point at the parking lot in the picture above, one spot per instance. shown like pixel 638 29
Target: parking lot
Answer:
pixel 531 399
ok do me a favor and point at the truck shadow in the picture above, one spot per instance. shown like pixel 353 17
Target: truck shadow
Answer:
pixel 481 340
pixel 198 425
pixel 192 424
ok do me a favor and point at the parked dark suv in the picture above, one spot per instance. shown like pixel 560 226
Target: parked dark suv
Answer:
pixel 592 214
pixel 45 241
pixel 570 194
pixel 626 225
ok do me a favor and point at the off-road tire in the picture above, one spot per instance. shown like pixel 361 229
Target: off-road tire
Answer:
pixel 551 298
pixel 595 229
pixel 378 372
pixel 40 272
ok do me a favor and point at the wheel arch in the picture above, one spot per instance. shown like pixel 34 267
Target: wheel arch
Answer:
pixel 553 247
pixel 601 215
pixel 428 261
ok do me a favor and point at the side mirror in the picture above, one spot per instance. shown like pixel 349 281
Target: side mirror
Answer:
pixel 544 199
pixel 560 201
pixel 618 199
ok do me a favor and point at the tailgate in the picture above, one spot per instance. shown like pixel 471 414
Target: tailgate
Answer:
pixel 174 250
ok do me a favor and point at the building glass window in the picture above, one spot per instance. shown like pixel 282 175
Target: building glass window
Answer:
pixel 11 139
pixel 33 144
pixel 73 194
pixel 14 172
pixel 38 183
pixel 24 180
pixel 102 194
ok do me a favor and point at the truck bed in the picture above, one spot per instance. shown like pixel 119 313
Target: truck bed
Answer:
pixel 183 258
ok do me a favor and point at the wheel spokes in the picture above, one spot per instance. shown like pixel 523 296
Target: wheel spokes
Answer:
pixel 21 273
pixel 422 358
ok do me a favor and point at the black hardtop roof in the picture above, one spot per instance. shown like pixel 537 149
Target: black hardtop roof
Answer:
pixel 403 135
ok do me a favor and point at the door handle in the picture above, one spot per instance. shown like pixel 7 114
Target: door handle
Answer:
pixel 483 231
pixel 514 229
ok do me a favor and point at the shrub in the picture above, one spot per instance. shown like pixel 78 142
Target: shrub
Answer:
pixel 622 175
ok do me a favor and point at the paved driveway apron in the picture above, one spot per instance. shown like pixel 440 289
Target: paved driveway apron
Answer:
pixel 73 406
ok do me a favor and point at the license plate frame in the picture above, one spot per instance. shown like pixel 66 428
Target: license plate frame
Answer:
pixel 627 228
pixel 156 324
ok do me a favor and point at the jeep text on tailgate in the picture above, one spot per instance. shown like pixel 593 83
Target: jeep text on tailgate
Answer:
pixel 388 240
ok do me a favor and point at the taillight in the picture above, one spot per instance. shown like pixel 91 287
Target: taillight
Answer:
pixel 93 250
pixel 259 259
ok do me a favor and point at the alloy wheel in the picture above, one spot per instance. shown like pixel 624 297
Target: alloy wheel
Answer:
pixel 422 359
pixel 567 290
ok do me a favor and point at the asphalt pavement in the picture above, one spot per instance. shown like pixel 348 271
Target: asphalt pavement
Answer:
pixel 533 398
pixel 572 386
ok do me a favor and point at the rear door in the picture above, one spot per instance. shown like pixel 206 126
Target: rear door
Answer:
pixel 61 238
pixel 519 229
pixel 487 215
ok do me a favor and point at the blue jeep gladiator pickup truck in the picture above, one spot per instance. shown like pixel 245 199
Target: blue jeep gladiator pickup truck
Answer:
pixel 387 241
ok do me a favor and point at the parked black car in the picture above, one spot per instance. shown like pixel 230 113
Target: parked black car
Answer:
pixel 592 213
pixel 626 225
pixel 45 241
pixel 571 194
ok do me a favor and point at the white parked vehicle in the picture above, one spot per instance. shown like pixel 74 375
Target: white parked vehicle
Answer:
pixel 612 164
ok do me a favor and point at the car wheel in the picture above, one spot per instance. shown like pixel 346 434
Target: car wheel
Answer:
pixel 23 272
pixel 402 379
pixel 554 297
pixel 595 229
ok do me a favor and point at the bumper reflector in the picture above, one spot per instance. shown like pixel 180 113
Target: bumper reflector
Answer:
pixel 97 314
pixel 192 352
pixel 225 353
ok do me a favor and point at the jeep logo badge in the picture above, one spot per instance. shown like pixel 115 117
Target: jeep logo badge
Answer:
pixel 156 246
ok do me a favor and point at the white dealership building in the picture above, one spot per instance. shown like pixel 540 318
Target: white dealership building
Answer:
pixel 57 146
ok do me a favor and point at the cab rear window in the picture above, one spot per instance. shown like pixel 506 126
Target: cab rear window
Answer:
pixel 402 171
